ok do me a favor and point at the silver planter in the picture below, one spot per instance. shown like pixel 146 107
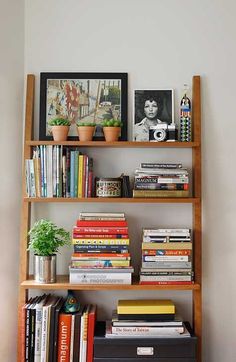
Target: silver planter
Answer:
pixel 45 269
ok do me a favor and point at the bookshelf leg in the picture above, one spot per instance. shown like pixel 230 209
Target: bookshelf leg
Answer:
pixel 23 296
pixel 197 320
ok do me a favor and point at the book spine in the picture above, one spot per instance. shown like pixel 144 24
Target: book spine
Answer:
pixel 72 174
pixel 67 172
pixel 32 178
pixel 166 258
pixel 100 230
pixel 100 248
pixel 81 171
pixel 160 165
pixel 165 264
pixel 90 177
pixel 27 335
pixel 91 327
pixel 101 241
pixel 42 170
pixel 72 337
pixel 44 335
pixel 167 252
pixel 76 167
pixel 166 278
pixel 100 278
pixel 64 175
pixel 114 215
pixel 153 186
pixel 101 236
pixel 170 246
pixel 64 335
pixel 161 180
pixel 92 256
pixel 99 263
pixel 146 331
pixel 100 223
pixel 160 193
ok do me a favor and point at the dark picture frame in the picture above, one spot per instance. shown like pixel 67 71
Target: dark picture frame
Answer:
pixel 83 97
pixel 164 99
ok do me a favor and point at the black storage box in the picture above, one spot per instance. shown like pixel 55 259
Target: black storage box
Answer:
pixel 143 349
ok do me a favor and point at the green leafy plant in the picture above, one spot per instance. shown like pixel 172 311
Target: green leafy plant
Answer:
pixel 46 238
pixel 84 124
pixel 59 121
pixel 112 123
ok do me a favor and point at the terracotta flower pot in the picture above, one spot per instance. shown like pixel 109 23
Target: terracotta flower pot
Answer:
pixel 85 133
pixel 111 133
pixel 60 133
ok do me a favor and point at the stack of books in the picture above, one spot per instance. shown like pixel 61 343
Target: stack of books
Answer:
pixel 161 180
pixel 59 171
pixel 166 257
pixel 50 334
pixel 145 319
pixel 101 249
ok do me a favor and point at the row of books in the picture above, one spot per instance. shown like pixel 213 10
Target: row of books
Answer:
pixel 166 256
pixel 161 180
pixel 101 249
pixel 50 333
pixel 145 319
pixel 58 171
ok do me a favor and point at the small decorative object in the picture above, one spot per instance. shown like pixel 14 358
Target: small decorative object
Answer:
pixel 60 128
pixel 112 129
pixel 154 116
pixel 108 187
pixel 185 117
pixel 84 97
pixel 86 130
pixel 45 239
pixel 71 305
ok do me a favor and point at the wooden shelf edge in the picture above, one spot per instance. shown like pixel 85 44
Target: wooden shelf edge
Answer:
pixel 63 283
pixel 177 200
pixel 119 144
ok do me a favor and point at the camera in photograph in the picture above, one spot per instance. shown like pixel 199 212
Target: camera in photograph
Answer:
pixel 163 132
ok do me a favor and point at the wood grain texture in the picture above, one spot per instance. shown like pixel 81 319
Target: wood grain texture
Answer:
pixel 26 207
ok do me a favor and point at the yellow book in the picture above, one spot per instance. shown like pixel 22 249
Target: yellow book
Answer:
pixel 168 246
pixel 146 306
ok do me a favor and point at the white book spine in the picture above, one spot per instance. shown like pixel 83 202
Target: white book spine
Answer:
pixel 44 335
pixel 81 338
pixel 38 334
pixel 100 278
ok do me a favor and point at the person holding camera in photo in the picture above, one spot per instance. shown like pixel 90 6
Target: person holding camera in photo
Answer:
pixel 152 109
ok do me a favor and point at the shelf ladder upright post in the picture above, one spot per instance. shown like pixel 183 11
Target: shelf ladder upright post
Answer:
pixel 25 213
pixel 197 213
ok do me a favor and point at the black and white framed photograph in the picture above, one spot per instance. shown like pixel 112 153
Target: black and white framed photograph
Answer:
pixel 154 115
pixel 83 97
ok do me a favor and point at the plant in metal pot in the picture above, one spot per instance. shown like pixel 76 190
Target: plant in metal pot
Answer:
pixel 86 130
pixel 60 128
pixel 45 240
pixel 112 129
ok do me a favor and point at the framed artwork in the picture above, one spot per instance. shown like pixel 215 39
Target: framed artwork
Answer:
pixel 154 115
pixel 83 97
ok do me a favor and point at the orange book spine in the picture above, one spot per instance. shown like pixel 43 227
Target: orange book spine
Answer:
pixel 64 336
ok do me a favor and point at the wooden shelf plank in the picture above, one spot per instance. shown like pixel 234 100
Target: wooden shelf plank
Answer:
pixel 177 200
pixel 119 144
pixel 63 283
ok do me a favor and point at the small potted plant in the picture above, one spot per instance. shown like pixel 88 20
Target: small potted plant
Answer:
pixel 86 130
pixel 112 129
pixel 60 128
pixel 45 240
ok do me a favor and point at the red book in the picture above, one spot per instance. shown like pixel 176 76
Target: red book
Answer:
pixel 64 335
pixel 101 236
pixel 101 223
pixel 91 327
pixel 167 252
pixel 165 283
pixel 100 230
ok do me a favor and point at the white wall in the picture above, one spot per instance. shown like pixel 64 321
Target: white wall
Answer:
pixel 11 93
pixel 160 44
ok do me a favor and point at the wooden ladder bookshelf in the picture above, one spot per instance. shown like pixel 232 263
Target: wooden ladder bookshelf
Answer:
pixel 26 281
